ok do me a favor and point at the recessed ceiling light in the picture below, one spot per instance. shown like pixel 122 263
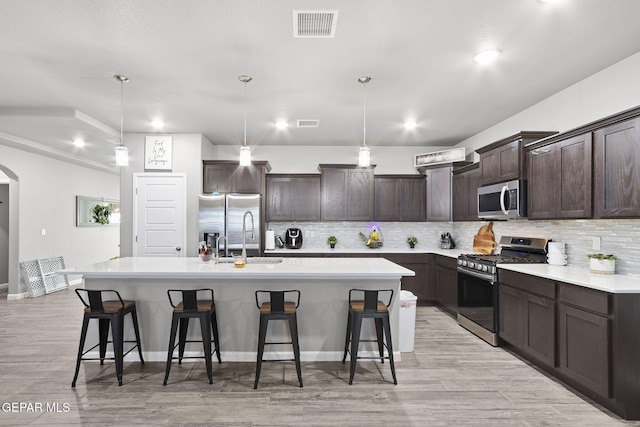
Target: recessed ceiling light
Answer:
pixel 487 56
pixel 410 124
pixel 281 124
pixel 157 123
pixel 78 142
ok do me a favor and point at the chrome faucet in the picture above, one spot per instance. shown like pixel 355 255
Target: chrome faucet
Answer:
pixel 244 233
pixel 216 257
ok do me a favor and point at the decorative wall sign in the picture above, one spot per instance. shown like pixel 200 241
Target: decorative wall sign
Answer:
pixel 158 152
pixel 437 157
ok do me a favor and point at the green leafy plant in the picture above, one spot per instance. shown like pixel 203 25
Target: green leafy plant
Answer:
pixel 101 213
pixel 412 240
pixel 602 257
pixel 332 240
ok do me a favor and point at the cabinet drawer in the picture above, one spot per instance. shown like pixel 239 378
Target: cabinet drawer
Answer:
pixel 588 299
pixel 531 284
pixel 447 262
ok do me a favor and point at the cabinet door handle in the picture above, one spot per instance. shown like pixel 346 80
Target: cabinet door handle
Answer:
pixel 178 248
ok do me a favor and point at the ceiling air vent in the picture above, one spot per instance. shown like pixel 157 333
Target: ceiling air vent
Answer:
pixel 314 23
pixel 307 123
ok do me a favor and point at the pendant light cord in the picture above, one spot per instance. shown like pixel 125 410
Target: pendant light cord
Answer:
pixel 121 112
pixel 364 114
pixel 364 80
pixel 245 113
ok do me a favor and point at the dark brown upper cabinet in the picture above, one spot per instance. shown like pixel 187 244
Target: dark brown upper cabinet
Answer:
pixel 617 170
pixel 229 177
pixel 400 198
pixel 465 193
pixel 439 193
pixel 559 180
pixel 293 198
pixel 503 160
pixel 347 193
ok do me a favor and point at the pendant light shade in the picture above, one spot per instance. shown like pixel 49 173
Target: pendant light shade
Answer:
pixel 122 152
pixel 122 155
pixel 245 156
pixel 245 151
pixel 364 157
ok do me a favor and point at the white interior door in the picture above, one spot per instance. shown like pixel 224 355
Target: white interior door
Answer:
pixel 159 215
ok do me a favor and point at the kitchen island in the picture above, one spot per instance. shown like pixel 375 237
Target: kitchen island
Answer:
pixel 324 285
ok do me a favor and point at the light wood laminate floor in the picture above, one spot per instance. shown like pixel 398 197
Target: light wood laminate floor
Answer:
pixel 452 378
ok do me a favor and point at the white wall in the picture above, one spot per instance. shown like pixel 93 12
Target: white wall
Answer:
pixel 46 200
pixel 4 228
pixel 187 151
pixel 612 90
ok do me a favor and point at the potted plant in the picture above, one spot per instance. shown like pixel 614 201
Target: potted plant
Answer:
pixel 602 264
pixel 332 240
pixel 412 241
pixel 101 213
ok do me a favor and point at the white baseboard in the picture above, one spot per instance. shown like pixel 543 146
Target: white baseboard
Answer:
pixel 13 297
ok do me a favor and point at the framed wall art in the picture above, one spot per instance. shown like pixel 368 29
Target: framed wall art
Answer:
pixel 96 211
pixel 158 153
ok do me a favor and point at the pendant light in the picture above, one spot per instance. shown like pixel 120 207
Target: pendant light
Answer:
pixel 122 153
pixel 245 151
pixel 364 157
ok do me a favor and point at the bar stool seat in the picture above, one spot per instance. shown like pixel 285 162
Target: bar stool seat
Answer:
pixel 273 309
pixel 192 307
pixel 370 307
pixel 109 314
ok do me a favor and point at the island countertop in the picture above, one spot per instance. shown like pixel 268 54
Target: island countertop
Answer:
pixel 324 284
pixel 194 268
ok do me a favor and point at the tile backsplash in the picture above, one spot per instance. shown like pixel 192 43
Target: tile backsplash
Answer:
pixel 620 237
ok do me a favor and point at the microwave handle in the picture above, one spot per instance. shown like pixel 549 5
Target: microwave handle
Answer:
pixel 502 206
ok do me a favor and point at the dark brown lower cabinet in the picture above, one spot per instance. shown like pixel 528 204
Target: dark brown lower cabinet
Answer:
pixel 583 348
pixel 421 285
pixel 527 322
pixel 446 283
pixel 511 315
pixel 588 338
pixel 539 324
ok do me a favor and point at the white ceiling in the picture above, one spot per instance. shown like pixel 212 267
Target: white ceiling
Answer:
pixel 183 57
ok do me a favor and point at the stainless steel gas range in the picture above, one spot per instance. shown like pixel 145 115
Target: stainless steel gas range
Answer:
pixel 478 281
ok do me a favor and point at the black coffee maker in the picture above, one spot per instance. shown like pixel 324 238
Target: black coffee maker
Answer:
pixel 293 238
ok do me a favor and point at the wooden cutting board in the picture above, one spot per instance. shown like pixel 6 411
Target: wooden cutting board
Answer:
pixel 484 242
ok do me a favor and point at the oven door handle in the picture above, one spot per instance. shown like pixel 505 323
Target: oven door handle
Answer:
pixel 483 276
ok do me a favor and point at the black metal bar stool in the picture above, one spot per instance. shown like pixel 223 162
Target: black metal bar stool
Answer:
pixel 278 308
pixel 372 308
pixel 109 313
pixel 190 307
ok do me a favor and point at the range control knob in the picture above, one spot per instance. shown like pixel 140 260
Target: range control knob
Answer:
pixel 472 264
pixel 479 267
pixel 464 263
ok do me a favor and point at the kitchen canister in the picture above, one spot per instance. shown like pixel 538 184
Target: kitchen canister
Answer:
pixel 269 240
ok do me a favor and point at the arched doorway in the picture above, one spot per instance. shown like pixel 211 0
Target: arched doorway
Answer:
pixel 12 241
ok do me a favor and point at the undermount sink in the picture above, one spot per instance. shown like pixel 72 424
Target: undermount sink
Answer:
pixel 254 260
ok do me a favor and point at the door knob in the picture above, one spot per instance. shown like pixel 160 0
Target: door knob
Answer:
pixel 178 248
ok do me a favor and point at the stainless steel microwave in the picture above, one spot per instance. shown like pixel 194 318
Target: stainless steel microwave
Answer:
pixel 506 200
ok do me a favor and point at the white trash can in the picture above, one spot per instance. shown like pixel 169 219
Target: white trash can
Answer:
pixel 408 302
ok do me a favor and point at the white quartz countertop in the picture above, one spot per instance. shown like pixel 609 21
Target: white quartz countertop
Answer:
pixel 614 283
pixel 453 253
pixel 289 268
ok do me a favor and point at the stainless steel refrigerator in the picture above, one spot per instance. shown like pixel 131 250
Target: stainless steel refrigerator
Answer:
pixel 223 214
